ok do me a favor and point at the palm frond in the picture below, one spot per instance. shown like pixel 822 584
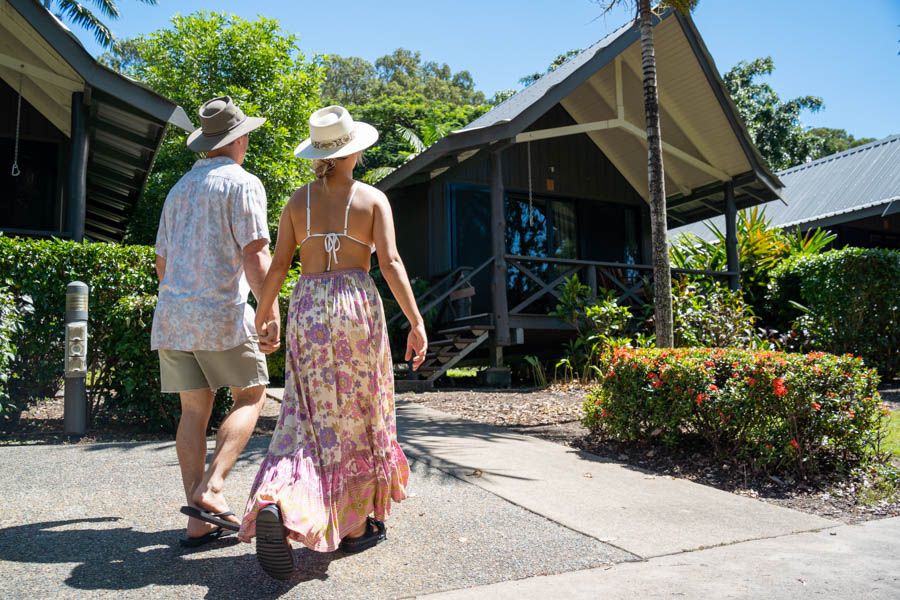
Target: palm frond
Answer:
pixel 106 7
pixel 81 15
pixel 411 137
pixel 375 175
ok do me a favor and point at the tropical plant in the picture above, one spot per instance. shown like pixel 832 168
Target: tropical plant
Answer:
pixel 662 274
pixel 557 62
pixel 714 318
pixel 78 13
pixel 761 247
pixel 431 133
pixel 203 55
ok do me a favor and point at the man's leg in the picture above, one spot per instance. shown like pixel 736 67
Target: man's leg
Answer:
pixel 190 444
pixel 231 439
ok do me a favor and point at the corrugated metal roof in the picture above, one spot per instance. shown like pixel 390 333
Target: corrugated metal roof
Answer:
pixel 837 188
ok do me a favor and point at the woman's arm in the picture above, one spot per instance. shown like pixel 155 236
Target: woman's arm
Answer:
pixel 394 273
pixel 267 310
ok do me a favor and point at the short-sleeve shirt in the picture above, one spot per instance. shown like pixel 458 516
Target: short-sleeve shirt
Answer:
pixel 209 216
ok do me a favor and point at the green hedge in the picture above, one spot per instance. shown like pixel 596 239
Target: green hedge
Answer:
pixel 771 410
pixel 12 313
pixel 850 302
pixel 41 269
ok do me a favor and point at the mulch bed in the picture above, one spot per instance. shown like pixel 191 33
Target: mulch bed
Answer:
pixel 553 414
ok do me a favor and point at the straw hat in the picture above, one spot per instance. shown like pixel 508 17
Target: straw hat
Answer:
pixel 334 134
pixel 221 122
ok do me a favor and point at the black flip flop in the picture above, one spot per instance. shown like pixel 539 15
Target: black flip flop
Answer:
pixel 375 533
pixel 202 540
pixel 211 517
pixel 273 550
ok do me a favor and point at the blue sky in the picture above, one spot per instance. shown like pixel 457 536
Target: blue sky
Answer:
pixel 848 57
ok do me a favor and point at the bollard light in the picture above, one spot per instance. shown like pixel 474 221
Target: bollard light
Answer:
pixel 75 409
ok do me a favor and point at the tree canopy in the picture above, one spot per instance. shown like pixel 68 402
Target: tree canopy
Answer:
pixel 203 55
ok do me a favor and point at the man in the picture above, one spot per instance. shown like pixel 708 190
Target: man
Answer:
pixel 212 245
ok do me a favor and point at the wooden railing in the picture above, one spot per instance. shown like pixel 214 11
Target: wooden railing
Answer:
pixel 629 281
pixel 449 283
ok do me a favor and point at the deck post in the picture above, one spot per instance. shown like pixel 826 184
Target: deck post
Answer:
pixel 731 241
pixel 498 248
pixel 76 180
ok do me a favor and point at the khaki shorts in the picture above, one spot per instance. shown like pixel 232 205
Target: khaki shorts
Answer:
pixel 241 367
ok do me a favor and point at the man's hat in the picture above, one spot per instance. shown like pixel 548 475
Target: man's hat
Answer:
pixel 221 122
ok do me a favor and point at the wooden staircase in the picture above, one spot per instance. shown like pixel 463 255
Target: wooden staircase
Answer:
pixel 453 344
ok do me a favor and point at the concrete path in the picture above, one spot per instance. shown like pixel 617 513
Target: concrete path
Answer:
pixel 645 514
pixel 849 562
pixel 492 514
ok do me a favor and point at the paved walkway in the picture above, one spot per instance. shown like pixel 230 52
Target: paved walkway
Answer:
pixel 492 514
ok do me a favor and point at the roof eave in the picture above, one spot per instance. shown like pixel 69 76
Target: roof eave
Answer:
pixel 97 75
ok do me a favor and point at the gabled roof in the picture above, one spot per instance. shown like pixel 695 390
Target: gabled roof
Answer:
pixel 854 184
pixel 707 142
pixel 127 119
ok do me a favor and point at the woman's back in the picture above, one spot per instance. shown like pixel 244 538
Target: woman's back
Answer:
pixel 334 225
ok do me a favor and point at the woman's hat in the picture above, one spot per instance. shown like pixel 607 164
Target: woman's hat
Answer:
pixel 221 122
pixel 334 134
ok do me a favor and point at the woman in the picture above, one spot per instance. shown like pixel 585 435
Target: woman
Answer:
pixel 333 465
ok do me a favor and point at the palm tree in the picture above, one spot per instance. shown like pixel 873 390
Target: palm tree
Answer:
pixel 78 13
pixel 662 275
pixel 431 133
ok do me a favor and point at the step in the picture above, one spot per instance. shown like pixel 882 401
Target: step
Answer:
pixel 465 329
pixel 480 316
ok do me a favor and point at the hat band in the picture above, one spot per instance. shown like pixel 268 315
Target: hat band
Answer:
pixel 226 130
pixel 335 143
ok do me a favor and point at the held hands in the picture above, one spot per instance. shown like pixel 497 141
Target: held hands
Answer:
pixel 416 345
pixel 268 327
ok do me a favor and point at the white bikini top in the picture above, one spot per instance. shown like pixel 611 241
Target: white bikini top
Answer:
pixel 332 239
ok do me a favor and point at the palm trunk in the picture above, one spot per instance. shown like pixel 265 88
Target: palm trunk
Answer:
pixel 662 276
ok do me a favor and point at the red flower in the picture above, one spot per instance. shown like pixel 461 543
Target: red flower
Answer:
pixel 604 412
pixel 709 363
pixel 701 398
pixel 770 447
pixel 795 444
pixel 751 381
pixel 651 375
pixel 656 384
pixel 713 387
pixel 851 413
pixel 816 406
pixel 778 387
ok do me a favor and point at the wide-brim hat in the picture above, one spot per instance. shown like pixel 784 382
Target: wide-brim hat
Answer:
pixel 334 134
pixel 221 122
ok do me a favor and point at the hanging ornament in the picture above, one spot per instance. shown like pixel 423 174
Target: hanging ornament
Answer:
pixel 530 195
pixel 15 166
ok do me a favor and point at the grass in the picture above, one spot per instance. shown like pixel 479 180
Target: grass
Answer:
pixel 892 441
pixel 463 372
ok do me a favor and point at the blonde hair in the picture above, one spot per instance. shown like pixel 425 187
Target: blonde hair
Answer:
pixel 324 167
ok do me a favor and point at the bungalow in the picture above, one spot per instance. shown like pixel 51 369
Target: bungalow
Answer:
pixel 855 194
pixel 553 183
pixel 76 139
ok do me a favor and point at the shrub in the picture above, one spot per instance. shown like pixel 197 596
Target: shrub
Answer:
pixel 771 410
pixel 41 269
pixel 12 312
pixel 716 317
pixel 134 395
pixel 848 300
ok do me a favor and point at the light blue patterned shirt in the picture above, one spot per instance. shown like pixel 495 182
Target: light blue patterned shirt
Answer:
pixel 210 215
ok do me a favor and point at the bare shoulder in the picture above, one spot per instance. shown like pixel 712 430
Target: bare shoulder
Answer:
pixel 370 194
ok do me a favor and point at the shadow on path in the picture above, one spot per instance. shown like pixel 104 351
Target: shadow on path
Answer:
pixel 125 559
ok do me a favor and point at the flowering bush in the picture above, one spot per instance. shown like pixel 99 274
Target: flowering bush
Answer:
pixel 772 410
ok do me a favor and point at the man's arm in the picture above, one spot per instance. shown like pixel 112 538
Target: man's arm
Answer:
pixel 257 260
pixel 160 267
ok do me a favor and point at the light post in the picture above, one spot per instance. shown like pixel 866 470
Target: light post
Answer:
pixel 75 409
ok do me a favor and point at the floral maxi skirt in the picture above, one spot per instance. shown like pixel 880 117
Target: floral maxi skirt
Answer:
pixel 334 457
